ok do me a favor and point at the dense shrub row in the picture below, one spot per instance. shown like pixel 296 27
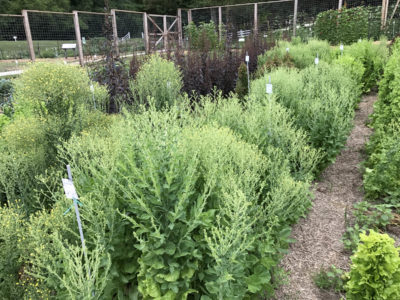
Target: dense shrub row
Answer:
pixel 180 199
pixel 381 178
pixel 347 25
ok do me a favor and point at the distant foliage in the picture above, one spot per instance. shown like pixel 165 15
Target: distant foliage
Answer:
pixel 203 37
pixel 298 54
pixel 157 80
pixel 342 26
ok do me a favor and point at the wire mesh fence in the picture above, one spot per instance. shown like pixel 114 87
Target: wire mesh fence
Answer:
pixel 93 34
pixel 50 31
pixel 275 19
pixel 53 35
pixel 13 43
pixel 130 32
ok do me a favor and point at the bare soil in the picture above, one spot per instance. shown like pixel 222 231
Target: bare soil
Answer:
pixel 319 235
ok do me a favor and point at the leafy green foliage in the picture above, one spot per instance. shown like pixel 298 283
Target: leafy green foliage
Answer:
pixel 6 108
pixel 367 216
pixel 330 279
pixel 203 37
pixel 158 80
pixel 301 55
pixel 322 101
pixel 267 124
pixel 352 66
pixel 375 270
pixel 51 102
pixel 381 177
pixel 373 57
pixel 338 26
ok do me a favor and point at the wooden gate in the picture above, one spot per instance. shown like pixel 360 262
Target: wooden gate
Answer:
pixel 162 32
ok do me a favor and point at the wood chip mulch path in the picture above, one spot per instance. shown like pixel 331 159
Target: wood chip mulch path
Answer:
pixel 319 235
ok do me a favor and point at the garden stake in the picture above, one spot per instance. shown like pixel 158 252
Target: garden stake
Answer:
pixel 70 192
pixel 341 49
pixel 248 71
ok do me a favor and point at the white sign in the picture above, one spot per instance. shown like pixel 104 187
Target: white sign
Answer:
pixel 316 61
pixel 83 40
pixel 69 189
pixel 287 50
pixel 341 47
pixel 247 58
pixel 269 88
pixel 92 88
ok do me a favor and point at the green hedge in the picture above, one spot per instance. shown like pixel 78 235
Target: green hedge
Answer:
pixel 342 26
pixel 382 179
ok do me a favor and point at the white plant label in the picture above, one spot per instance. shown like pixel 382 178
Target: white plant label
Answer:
pixel 69 189
pixel 341 47
pixel 83 40
pixel 92 88
pixel 65 62
pixel 168 84
pixel 16 62
pixel 287 50
pixel 269 88
pixel 247 58
pixel 316 61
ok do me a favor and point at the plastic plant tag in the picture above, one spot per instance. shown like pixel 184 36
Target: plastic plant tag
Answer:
pixel 341 47
pixel 69 189
pixel 316 61
pixel 168 84
pixel 92 88
pixel 287 50
pixel 269 87
pixel 247 58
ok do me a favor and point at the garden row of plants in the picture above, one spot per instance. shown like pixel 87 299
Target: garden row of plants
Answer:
pixel 180 197
pixel 375 269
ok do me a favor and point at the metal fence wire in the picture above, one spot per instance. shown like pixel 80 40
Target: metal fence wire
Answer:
pixel 275 19
pixel 50 30
pixel 53 35
pixel 13 44
pixel 130 31
pixel 92 27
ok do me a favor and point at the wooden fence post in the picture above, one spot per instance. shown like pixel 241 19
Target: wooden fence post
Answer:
pixel 115 32
pixel 180 36
pixel 146 33
pixel 165 33
pixel 28 34
pixel 78 37
pixel 190 16
pixel 295 17
pixel 220 22
pixel 255 18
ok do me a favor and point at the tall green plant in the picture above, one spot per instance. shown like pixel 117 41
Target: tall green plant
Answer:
pixel 158 81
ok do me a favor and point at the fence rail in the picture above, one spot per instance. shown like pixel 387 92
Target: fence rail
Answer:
pixel 47 34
